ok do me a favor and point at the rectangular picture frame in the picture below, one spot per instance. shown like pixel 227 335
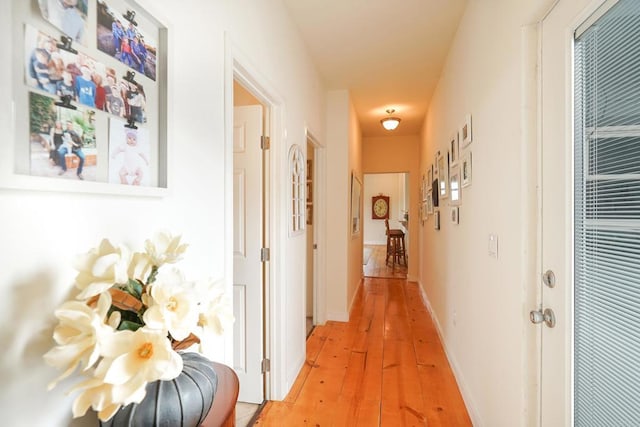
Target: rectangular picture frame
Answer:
pixel 443 175
pixel 466 169
pixel 454 148
pixel 455 186
pixel 466 131
pixel 33 31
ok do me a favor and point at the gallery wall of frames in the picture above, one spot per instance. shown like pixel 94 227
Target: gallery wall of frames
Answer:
pixel 89 93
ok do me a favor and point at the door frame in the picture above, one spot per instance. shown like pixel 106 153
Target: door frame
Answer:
pixel 319 226
pixel 238 67
pixel 564 313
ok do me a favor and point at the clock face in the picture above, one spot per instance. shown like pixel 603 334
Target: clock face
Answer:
pixel 380 208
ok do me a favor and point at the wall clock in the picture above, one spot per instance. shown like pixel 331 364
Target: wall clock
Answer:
pixel 380 207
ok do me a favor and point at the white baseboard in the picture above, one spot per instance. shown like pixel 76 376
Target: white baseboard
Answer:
pixel 457 372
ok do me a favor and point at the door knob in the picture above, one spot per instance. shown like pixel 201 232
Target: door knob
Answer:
pixel 547 316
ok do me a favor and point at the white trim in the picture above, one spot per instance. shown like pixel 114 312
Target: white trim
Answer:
pixel 319 228
pixel 597 14
pixel 457 372
pixel 240 68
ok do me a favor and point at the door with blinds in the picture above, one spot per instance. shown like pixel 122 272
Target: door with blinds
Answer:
pixel 590 233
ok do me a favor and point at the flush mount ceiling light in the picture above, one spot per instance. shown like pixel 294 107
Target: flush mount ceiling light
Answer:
pixel 390 123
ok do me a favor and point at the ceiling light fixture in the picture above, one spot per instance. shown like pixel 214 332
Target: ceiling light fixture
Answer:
pixel 390 123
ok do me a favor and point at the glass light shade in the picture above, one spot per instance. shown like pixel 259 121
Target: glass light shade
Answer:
pixel 390 123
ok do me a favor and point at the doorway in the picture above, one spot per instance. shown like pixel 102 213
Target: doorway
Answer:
pixel 249 233
pixel 310 320
pixel 395 186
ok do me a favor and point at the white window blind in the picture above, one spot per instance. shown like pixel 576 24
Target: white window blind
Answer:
pixel 607 219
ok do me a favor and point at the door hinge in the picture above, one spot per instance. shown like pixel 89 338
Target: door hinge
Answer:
pixel 265 366
pixel 265 142
pixel 264 254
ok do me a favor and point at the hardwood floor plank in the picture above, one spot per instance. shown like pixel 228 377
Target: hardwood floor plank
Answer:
pixel 385 367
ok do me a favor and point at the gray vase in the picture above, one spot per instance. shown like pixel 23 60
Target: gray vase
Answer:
pixel 184 401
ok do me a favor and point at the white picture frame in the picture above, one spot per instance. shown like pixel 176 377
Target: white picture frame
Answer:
pixel 455 215
pixel 466 131
pixel 424 211
pixel 443 175
pixel 436 220
pixel 454 148
pixel 455 186
pixel 423 188
pixel 466 169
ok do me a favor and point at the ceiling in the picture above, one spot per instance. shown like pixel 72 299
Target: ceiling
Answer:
pixel 388 54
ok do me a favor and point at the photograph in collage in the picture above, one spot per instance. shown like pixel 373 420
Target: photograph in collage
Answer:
pixel 69 16
pixel 122 39
pixel 62 141
pixel 129 154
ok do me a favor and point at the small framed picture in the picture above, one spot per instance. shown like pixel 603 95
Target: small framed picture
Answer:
pixel 424 211
pixel 455 215
pixel 435 165
pixel 429 176
pixel 466 169
pixel 423 188
pixel 454 148
pixel 466 134
pixel 436 220
pixel 455 186
pixel 430 204
pixel 435 191
pixel 443 174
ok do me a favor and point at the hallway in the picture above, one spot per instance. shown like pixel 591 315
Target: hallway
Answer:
pixel 385 367
pixel 374 264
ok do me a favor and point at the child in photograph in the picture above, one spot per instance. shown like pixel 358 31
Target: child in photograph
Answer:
pixel 56 138
pixel 72 22
pixel 66 86
pixel 86 88
pixel 132 166
pixel 126 56
pixel 139 53
pixel 41 67
pixel 71 144
pixel 118 34
pixel 137 102
pixel 115 104
pixel 100 98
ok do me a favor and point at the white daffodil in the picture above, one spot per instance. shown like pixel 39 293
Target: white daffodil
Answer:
pixel 99 396
pixel 133 359
pixel 100 268
pixel 173 307
pixel 79 335
pixel 215 309
pixel 140 267
pixel 164 248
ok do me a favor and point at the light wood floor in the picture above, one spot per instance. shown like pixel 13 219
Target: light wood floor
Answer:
pixel 385 367
pixel 377 267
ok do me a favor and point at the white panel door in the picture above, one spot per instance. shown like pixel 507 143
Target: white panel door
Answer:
pixel 247 242
pixel 562 344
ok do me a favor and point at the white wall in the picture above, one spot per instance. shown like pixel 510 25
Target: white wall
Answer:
pixel 38 251
pixel 481 302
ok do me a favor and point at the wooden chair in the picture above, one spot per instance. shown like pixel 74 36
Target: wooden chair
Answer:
pixel 395 245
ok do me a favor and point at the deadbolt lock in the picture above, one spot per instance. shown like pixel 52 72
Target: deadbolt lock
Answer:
pixel 549 279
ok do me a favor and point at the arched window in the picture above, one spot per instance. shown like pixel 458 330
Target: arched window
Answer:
pixel 297 176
